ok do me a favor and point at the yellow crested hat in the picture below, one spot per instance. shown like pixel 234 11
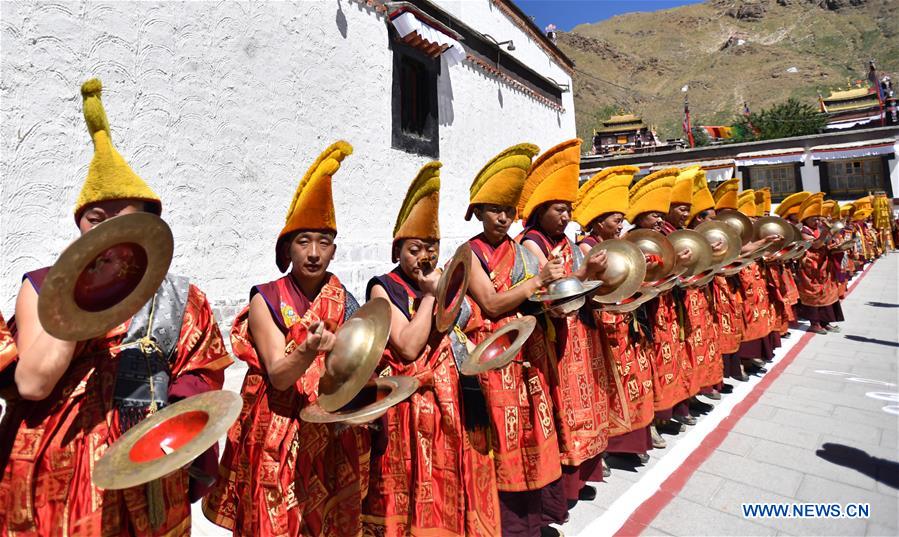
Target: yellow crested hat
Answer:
pixel 836 210
pixel 500 181
pixel 651 194
pixel 553 177
pixel 419 215
pixel 847 210
pixel 605 192
pixel 726 194
pixel 682 191
pixel 861 214
pixel 827 207
pixel 109 177
pixel 790 204
pixel 702 196
pixel 763 201
pixel 863 203
pixel 312 207
pixel 746 202
pixel 812 206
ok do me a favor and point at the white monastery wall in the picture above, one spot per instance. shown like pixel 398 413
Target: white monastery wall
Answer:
pixel 221 107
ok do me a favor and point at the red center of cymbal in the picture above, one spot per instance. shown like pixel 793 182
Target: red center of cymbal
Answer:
pixel 110 277
pixel 499 346
pixel 170 434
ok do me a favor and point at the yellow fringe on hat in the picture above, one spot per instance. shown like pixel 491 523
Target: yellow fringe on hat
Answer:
pixel 312 206
pixel 726 194
pixel 651 194
pixel 682 191
pixel 419 215
pixel 500 181
pixel 553 177
pixel 606 192
pixel 862 214
pixel 790 204
pixel 763 201
pixel 746 202
pixel 702 196
pixel 812 206
pixel 109 177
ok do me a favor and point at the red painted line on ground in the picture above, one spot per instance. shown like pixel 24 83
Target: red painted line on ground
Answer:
pixel 643 516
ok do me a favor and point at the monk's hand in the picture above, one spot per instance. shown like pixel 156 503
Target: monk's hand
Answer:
pixel 551 271
pixel 772 238
pixel 428 282
pixel 684 256
pixel 597 264
pixel 320 339
pixel 652 261
pixel 718 246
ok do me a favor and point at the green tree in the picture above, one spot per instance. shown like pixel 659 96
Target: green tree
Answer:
pixel 701 137
pixel 791 118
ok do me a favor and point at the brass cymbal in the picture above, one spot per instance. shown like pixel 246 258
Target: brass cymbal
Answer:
pixel 654 243
pixel 452 287
pixel 643 295
pixel 564 290
pixel 370 403
pixel 500 347
pixel 625 270
pixel 739 221
pixel 359 345
pixel 106 276
pixel 168 440
pixel 767 226
pixel 715 231
pixel 700 251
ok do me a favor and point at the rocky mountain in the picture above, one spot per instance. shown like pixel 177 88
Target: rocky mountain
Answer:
pixel 727 52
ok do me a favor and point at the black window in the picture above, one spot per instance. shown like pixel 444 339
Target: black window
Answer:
pixel 414 101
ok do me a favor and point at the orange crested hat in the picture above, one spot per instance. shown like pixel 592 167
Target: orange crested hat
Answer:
pixel 763 201
pixel 500 181
pixel 702 196
pixel 109 177
pixel 726 194
pixel 827 207
pixel 312 207
pixel 847 210
pixel 419 214
pixel 746 202
pixel 812 206
pixel 861 214
pixel 651 194
pixel 863 203
pixel 682 191
pixel 553 177
pixel 605 192
pixel 790 204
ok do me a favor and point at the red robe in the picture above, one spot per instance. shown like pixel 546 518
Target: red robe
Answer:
pixel 757 322
pixel 281 476
pixel 429 473
pixel 670 362
pixel 52 445
pixel 728 306
pixel 817 278
pixel 701 341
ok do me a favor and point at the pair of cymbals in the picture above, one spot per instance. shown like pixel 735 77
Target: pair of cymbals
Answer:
pixel 644 294
pixel 499 348
pixel 774 226
pixel 625 270
pixel 698 248
pixel 653 243
pixel 452 288
pixel 565 294
pixel 737 220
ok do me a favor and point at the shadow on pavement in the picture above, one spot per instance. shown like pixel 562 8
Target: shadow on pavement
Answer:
pixel 863 339
pixel 882 304
pixel 882 470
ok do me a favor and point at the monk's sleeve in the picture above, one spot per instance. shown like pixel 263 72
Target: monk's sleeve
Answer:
pixel 199 366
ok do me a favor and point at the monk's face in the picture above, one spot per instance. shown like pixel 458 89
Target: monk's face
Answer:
pixel 651 220
pixel 554 218
pixel 791 218
pixel 608 226
pixel 96 213
pixel 496 220
pixel 702 216
pixel 678 214
pixel 418 257
pixel 310 253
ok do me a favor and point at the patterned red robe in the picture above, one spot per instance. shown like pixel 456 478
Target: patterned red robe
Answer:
pixel 730 316
pixel 670 362
pixel 49 447
pixel 701 340
pixel 429 473
pixel 757 311
pixel 280 476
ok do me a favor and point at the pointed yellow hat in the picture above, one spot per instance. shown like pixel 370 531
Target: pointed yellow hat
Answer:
pixel 861 214
pixel 827 207
pixel 651 194
pixel 746 202
pixel 863 203
pixel 763 201
pixel 836 210
pixel 419 215
pixel 790 204
pixel 702 196
pixel 812 206
pixel 553 177
pixel 500 181
pixel 312 207
pixel 682 191
pixel 109 177
pixel 726 194
pixel 847 210
pixel 605 192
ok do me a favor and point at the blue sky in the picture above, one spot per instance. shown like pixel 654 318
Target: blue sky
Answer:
pixel 566 14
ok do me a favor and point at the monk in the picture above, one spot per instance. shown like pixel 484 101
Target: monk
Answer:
pixel 600 207
pixel 430 473
pixel 503 276
pixel 279 475
pixel 73 399
pixel 818 288
pixel 575 370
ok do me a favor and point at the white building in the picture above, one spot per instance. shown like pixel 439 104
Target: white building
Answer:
pixel 222 106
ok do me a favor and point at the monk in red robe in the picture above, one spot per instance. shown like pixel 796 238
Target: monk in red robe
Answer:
pixel 818 288
pixel 73 399
pixel 431 471
pixel 279 475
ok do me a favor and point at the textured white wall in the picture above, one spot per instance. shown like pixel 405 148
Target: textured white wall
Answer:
pixel 221 107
